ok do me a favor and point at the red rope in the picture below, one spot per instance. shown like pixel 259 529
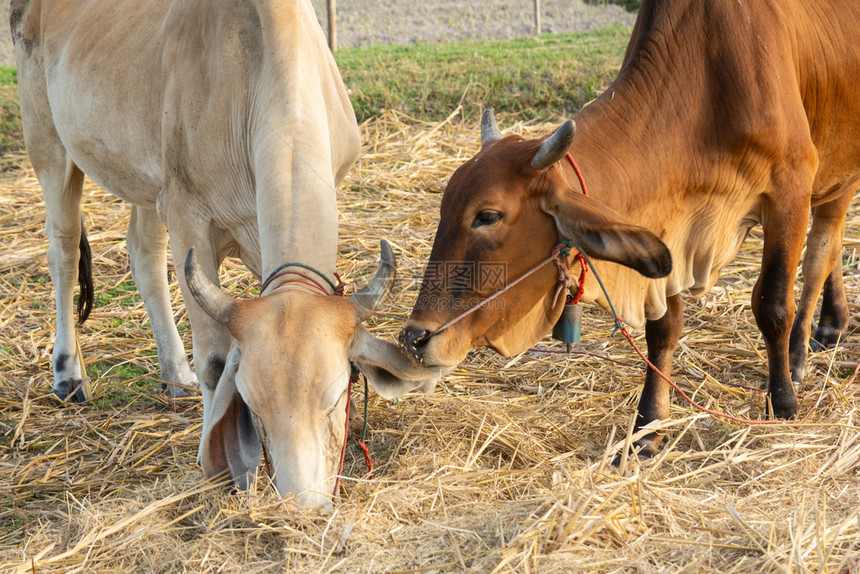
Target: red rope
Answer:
pixel 619 322
pixel 369 463
pixel 308 281
pixel 579 257
pixel 352 378
pixel 581 289
pixel 578 173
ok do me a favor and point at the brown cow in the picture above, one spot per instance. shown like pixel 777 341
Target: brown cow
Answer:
pixel 725 114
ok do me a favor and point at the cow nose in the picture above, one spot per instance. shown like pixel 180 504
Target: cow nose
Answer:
pixel 413 341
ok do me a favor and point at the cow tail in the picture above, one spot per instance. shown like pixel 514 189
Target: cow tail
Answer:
pixel 85 279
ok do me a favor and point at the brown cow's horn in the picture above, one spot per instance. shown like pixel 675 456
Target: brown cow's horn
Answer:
pixel 489 128
pixel 369 297
pixel 555 146
pixel 209 296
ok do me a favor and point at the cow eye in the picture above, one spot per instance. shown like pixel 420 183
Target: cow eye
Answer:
pixel 486 217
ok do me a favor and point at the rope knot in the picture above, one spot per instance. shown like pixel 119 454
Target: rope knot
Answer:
pixel 340 288
pixel 563 247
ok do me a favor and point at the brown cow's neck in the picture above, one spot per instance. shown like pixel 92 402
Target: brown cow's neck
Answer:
pixel 616 157
pixel 652 134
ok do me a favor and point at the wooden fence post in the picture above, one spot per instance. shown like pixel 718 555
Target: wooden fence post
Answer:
pixel 332 25
pixel 537 17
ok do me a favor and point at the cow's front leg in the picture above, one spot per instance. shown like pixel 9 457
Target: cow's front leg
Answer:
pixel 661 336
pixel 773 297
pixel 822 266
pixel 147 249
pixel 210 339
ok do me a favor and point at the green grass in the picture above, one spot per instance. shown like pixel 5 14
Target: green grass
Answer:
pixel 11 136
pixel 531 78
pixel 544 77
pixel 122 383
pixel 124 294
pixel 8 76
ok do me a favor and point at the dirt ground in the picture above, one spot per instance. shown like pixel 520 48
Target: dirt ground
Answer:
pixel 371 22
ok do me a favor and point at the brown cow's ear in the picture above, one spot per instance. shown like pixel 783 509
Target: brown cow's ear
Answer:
pixel 230 444
pixel 604 234
pixel 387 369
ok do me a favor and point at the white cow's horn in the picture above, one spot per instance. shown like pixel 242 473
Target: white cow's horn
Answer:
pixel 555 146
pixel 489 129
pixel 209 296
pixel 371 296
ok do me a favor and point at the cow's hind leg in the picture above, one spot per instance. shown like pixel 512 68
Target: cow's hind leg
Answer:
pixel 833 317
pixel 147 249
pixel 62 183
pixel 822 266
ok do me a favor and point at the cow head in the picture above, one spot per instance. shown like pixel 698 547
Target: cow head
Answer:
pixel 502 213
pixel 286 378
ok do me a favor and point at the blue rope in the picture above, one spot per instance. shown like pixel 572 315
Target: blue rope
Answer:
pixel 619 322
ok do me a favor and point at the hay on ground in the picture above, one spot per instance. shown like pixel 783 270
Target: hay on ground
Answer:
pixel 505 468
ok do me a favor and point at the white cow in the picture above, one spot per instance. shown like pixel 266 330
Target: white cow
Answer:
pixel 226 123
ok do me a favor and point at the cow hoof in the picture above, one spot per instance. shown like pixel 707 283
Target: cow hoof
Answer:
pixel 178 391
pixel 797 378
pixel 71 391
pixel 783 405
pixel 825 338
pixel 641 450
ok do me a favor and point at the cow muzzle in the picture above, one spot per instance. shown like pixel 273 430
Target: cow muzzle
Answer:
pixel 424 348
pixel 413 341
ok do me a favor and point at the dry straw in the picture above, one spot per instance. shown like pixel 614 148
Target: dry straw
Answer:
pixel 505 468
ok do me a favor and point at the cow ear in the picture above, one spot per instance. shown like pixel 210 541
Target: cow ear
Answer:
pixel 230 444
pixel 387 369
pixel 604 234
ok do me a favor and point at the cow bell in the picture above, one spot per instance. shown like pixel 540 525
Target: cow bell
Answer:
pixel 568 329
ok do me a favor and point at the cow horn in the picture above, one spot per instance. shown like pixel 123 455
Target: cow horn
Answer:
pixel 489 129
pixel 369 297
pixel 209 296
pixel 555 146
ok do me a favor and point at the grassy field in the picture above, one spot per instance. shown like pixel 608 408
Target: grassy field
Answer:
pixel 529 78
pixel 504 468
